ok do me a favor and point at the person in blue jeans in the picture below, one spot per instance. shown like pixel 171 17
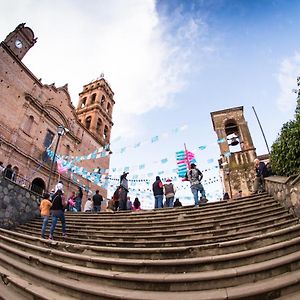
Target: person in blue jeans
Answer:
pixel 195 176
pixel 169 191
pixel 45 212
pixel 57 212
pixel 158 192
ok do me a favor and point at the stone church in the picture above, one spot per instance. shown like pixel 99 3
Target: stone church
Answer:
pixel 32 111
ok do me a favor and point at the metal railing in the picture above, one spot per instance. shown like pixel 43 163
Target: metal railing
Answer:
pixel 23 182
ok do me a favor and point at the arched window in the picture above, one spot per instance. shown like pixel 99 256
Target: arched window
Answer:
pixel 88 122
pixel 93 98
pixel 83 102
pixel 233 136
pixel 102 101
pixel 108 108
pixel 68 150
pixel 38 185
pixel 16 170
pixel 99 126
pixel 105 133
pixel 28 124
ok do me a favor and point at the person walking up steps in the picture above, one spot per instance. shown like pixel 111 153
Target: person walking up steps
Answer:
pixel 45 212
pixel 194 176
pixel 57 212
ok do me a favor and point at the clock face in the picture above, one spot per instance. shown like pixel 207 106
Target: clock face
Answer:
pixel 18 44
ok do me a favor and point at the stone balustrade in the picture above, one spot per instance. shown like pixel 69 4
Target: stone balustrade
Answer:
pixel 286 190
pixel 18 205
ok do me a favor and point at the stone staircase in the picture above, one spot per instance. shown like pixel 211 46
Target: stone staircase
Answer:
pixel 243 249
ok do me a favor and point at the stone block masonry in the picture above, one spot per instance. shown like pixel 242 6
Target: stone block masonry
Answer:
pixel 286 190
pixel 18 205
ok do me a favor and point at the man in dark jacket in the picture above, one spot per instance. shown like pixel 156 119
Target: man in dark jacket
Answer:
pixel 97 199
pixel 158 192
pixel 261 172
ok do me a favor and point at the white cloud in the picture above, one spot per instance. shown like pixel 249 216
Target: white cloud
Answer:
pixel 288 73
pixel 142 56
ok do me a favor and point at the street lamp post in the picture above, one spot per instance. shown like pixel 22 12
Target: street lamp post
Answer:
pixel 60 132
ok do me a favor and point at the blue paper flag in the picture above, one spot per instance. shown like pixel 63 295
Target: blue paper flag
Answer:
pixel 154 139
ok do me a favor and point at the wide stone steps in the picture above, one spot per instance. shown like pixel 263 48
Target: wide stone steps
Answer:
pixel 216 228
pixel 184 265
pixel 244 249
pixel 264 217
pixel 245 243
pixel 180 225
pixel 13 287
pixel 97 289
pixel 173 213
pixel 195 239
pixel 14 258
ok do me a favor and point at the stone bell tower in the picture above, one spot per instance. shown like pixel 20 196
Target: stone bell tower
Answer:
pixel 20 40
pixel 95 109
pixel 237 150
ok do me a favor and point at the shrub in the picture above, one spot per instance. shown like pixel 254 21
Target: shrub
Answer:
pixel 285 152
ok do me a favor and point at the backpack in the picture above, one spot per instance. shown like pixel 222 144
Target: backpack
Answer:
pixel 268 170
pixel 199 174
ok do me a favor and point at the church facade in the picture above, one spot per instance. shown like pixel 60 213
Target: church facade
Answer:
pixel 31 112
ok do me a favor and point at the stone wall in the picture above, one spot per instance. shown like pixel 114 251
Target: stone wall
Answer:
pixel 286 190
pixel 18 205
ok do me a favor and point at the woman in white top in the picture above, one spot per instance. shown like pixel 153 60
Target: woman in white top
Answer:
pixel 88 207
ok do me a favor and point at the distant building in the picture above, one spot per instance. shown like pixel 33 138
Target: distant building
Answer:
pixel 237 151
pixel 31 112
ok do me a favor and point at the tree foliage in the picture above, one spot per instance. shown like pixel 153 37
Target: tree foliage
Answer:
pixel 285 153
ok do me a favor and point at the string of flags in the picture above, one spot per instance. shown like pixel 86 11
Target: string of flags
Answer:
pixel 100 176
pixel 184 158
pixel 152 140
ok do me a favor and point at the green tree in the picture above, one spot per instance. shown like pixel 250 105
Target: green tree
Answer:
pixel 285 152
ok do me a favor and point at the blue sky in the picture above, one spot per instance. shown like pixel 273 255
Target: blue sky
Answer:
pixel 170 63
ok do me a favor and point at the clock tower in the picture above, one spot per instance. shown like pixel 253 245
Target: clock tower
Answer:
pixel 20 40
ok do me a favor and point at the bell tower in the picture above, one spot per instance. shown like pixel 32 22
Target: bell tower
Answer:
pixel 236 148
pixel 95 109
pixel 20 40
